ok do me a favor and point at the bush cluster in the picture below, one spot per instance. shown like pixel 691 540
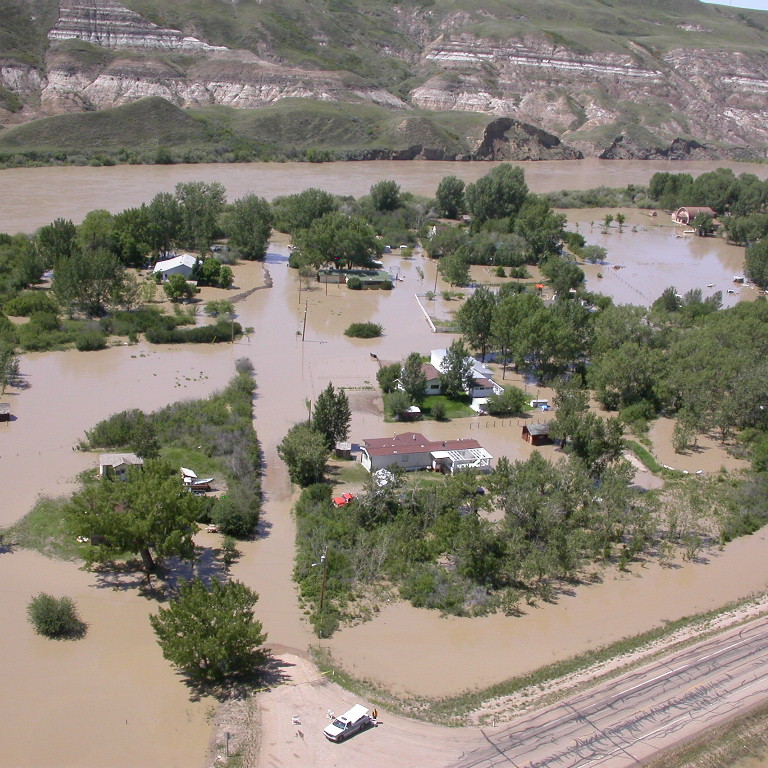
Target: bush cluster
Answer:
pixel 55 618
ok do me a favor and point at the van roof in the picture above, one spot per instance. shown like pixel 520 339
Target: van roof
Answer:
pixel 354 714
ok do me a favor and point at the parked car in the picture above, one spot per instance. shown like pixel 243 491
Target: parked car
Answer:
pixel 351 722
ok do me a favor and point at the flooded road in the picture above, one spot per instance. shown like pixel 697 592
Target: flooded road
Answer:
pixel 117 674
pixel 33 197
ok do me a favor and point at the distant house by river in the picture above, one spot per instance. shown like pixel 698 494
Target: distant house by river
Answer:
pixel 412 451
pixel 688 213
pixel 117 465
pixel 178 265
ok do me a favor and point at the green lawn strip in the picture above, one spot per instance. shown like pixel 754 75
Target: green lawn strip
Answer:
pixel 44 529
pixel 452 710
pixel 454 409
pixel 647 458
pixel 200 463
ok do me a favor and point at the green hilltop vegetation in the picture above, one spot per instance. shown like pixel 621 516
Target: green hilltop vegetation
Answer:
pixel 153 130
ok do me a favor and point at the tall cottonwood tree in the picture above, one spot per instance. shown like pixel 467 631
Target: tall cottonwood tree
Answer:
pixel 210 633
pixel 150 514
pixel 248 223
pixel 331 415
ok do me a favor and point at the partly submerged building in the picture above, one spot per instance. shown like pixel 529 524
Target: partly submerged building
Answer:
pixel 412 451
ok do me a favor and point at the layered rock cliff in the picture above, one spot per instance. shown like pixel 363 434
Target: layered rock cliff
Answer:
pixel 544 96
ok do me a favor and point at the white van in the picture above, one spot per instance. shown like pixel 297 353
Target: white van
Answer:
pixel 351 722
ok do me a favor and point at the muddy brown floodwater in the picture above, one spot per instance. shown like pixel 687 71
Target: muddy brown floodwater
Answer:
pixel 33 197
pixel 110 698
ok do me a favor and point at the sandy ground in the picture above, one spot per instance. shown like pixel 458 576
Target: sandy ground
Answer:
pixel 293 715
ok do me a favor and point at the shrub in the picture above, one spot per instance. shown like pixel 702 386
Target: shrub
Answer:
pixel 354 283
pixel 88 341
pixel 500 272
pixel 438 410
pixel 205 334
pixel 28 302
pixel 387 377
pixel 364 330
pixel 511 400
pixel 55 618
pixel 234 519
pixel 48 321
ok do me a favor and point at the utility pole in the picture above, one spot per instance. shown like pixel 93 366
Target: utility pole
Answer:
pixel 324 561
pixel 304 326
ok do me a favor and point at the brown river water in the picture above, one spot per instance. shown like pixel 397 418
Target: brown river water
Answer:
pixel 111 698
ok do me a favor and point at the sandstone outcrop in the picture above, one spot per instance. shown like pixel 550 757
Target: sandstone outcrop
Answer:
pixel 543 97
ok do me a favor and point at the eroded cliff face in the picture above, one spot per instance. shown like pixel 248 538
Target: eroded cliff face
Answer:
pixel 551 101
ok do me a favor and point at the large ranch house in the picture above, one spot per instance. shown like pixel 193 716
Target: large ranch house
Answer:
pixel 412 451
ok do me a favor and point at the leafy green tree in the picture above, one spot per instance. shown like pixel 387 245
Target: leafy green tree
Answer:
pixel 210 633
pixel 756 263
pixel 166 222
pixel 625 375
pixel 338 239
pixel 95 232
pixel 299 211
pixel 201 205
pixel 511 400
pixel 206 271
pixel 412 378
pixel 55 618
pixel 456 375
pixel 9 365
pixel 88 282
pixel 385 195
pixel 571 403
pixel 305 451
pixel 562 274
pixel 177 288
pixel 594 254
pixel 446 241
pixel 475 319
pixel 133 237
pixel 597 442
pixel 450 197
pixel 704 224
pixel 541 228
pixel 248 223
pixel 331 415
pixel 150 514
pixel 454 268
pixel 387 377
pixel 499 194
pixel 620 219
pixel 56 241
pixel 396 403
pixel 226 276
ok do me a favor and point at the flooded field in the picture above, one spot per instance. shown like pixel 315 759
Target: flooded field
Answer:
pixel 111 699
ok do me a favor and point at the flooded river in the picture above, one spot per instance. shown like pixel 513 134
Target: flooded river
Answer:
pixel 33 197
pixel 110 698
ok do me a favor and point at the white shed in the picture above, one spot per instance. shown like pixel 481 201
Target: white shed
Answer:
pixel 178 265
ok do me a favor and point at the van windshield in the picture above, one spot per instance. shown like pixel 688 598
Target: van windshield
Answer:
pixel 340 724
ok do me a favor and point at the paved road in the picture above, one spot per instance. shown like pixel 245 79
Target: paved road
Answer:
pixel 637 715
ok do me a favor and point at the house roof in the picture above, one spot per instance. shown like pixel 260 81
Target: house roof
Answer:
pixel 116 459
pixel 430 371
pixel 185 259
pixel 537 429
pixel 695 210
pixel 481 381
pixel 414 442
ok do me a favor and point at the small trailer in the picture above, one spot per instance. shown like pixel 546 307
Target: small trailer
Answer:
pixel 351 722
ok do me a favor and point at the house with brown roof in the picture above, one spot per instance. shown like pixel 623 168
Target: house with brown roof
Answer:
pixel 117 465
pixel 412 451
pixel 688 213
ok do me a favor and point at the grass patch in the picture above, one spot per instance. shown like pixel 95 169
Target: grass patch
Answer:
pixel 348 472
pixel 454 409
pixel 646 457
pixel 200 463
pixel 44 529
